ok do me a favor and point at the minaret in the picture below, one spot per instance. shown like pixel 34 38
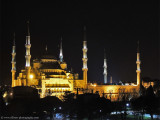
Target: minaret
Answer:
pixel 105 68
pixel 85 59
pixel 138 62
pixel 28 56
pixel 13 62
pixel 61 52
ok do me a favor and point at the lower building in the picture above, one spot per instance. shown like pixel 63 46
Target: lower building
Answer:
pixel 116 92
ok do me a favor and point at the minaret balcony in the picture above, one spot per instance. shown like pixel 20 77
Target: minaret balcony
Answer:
pixel 85 49
pixel 13 62
pixel 85 59
pixel 85 69
pixel 28 56
pixel 13 53
pixel 27 45
pixel 138 71
pixel 138 62
pixel 13 70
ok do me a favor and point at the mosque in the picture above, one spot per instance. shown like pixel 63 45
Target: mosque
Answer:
pixel 51 77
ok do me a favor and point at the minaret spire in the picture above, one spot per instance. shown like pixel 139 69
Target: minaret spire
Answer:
pixel 28 32
pixel 104 53
pixel 105 68
pixel 13 61
pixel 138 47
pixel 85 35
pixel 28 56
pixel 61 52
pixel 85 59
pixel 46 48
pixel 138 62
pixel 14 41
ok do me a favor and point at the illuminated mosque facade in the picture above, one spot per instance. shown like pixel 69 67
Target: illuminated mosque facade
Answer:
pixel 52 78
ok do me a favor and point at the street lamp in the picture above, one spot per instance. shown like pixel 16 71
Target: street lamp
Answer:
pixel 127 104
pixel 31 76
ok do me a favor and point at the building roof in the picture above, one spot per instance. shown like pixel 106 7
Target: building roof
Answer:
pixel 50 65
pixel 48 56
pixel 57 85
pixel 147 79
pixel 55 73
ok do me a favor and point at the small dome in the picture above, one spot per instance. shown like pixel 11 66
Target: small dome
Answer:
pixel 63 65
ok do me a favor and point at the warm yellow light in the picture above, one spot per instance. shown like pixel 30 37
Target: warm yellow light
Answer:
pixel 31 76
pixel 5 94
pixel 94 84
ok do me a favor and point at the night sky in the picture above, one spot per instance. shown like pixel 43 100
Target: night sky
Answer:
pixel 114 26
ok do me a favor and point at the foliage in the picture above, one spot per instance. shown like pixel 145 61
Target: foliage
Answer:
pixel 148 102
pixel 86 105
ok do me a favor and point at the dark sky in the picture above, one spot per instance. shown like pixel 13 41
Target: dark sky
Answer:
pixel 114 26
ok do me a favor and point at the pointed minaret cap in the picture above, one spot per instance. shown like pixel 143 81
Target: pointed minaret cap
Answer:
pixel 61 38
pixel 85 37
pixel 104 53
pixel 84 28
pixel 14 43
pixel 28 33
pixel 46 48
pixel 61 43
pixel 61 51
pixel 138 47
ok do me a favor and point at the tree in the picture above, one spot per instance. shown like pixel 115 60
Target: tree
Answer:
pixel 69 104
pixel 151 101
pixel 146 103
pixel 2 105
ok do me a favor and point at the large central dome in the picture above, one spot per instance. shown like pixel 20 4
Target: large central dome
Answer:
pixel 50 65
pixel 47 55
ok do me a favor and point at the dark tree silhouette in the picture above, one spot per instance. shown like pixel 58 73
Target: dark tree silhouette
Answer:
pixel 2 105
pixel 148 103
